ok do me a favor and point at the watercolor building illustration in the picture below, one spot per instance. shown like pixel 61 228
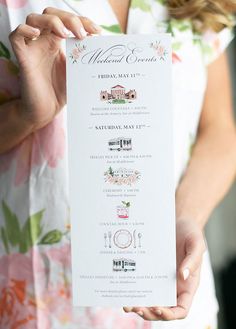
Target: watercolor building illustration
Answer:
pixel 118 95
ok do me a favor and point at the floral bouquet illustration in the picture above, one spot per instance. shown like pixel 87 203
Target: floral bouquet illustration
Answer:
pixel 76 52
pixel 122 176
pixel 159 49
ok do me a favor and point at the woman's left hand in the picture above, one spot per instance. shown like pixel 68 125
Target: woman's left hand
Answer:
pixel 190 244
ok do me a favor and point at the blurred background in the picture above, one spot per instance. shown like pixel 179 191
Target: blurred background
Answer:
pixel 221 238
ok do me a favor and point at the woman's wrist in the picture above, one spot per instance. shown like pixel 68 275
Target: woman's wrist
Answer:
pixel 14 126
pixel 188 205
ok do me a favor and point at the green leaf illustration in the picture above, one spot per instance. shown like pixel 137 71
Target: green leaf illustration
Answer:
pixel 110 171
pixel 4 240
pixel 51 237
pixel 141 4
pixel 31 231
pixel 4 52
pixel 12 227
pixel 112 28
pixel 127 204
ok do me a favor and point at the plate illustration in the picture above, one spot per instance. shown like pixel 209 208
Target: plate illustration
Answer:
pixel 122 239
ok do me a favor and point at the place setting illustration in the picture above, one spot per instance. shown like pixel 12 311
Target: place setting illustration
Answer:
pixel 123 239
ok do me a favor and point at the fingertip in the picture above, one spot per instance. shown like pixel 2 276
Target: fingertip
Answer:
pixel 156 310
pixel 83 33
pixel 140 313
pixel 96 28
pixel 66 33
pixel 127 309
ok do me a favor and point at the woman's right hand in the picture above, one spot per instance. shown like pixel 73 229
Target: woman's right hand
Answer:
pixel 37 46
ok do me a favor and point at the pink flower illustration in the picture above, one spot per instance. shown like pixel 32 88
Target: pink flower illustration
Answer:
pixel 160 50
pixel 9 80
pixel 14 3
pixel 76 53
pixel 44 147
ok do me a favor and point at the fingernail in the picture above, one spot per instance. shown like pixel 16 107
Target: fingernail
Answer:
pixel 36 31
pixel 186 273
pixel 65 31
pixel 96 28
pixel 158 312
pixel 140 313
pixel 83 32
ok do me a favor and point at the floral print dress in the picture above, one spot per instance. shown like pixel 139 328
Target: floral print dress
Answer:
pixel 35 268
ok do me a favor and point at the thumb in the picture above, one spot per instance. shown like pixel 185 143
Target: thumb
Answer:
pixel 194 248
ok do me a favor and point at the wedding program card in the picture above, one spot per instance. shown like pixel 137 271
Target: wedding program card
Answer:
pixel 120 127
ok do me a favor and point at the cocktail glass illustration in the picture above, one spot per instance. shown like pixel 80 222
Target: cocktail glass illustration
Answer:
pixel 123 210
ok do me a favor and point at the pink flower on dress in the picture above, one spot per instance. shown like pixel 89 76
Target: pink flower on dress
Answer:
pixel 35 292
pixel 15 4
pixel 20 274
pixel 34 289
pixel 175 58
pixel 44 147
pixel 62 255
pixel 114 318
pixel 212 38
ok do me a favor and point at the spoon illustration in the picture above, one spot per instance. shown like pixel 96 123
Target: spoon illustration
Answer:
pixel 134 236
pixel 139 238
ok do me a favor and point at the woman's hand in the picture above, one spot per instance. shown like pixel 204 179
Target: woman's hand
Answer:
pixel 190 245
pixel 37 46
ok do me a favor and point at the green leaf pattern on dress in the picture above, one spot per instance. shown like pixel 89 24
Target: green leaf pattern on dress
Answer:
pixel 13 236
pixel 112 28
pixel 141 4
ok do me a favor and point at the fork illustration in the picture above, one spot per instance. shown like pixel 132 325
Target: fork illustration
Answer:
pixel 109 237
pixel 105 238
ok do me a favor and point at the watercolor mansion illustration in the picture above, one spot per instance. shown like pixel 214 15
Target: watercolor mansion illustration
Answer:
pixel 118 95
